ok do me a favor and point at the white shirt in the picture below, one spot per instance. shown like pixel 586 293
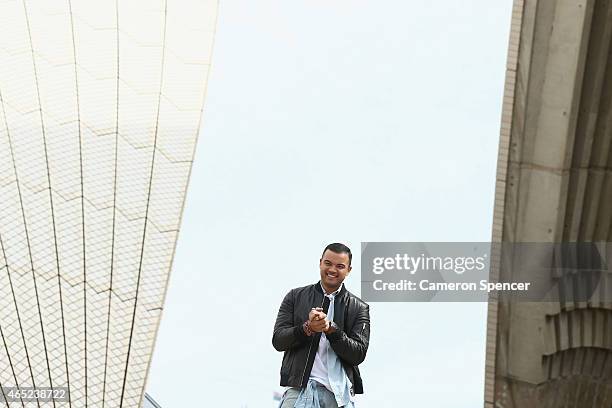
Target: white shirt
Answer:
pixel 319 368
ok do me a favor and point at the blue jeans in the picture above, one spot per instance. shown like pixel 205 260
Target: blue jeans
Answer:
pixel 326 398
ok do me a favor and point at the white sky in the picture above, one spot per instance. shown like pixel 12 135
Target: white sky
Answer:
pixel 334 121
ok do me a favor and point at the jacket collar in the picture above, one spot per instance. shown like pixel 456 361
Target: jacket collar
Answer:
pixel 319 288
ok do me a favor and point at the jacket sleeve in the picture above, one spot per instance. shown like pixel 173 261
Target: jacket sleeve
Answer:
pixel 287 336
pixel 352 346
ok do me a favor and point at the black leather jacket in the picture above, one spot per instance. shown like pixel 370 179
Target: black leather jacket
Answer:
pixel 349 342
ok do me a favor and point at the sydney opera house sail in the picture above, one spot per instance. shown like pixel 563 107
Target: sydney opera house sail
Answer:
pixel 100 109
pixel 554 185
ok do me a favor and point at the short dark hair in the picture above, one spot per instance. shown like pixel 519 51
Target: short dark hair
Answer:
pixel 339 248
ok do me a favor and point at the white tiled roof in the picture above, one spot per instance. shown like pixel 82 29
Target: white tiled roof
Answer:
pixel 100 105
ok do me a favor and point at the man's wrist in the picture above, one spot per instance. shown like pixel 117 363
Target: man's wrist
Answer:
pixel 331 328
pixel 306 328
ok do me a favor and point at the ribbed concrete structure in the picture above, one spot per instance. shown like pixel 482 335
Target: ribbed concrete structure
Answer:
pixel 100 108
pixel 554 184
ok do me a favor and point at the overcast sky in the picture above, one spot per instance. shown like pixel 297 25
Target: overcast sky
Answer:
pixel 334 121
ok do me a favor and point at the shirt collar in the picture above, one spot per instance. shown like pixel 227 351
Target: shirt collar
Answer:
pixel 333 294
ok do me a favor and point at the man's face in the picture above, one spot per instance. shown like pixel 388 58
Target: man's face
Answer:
pixel 334 269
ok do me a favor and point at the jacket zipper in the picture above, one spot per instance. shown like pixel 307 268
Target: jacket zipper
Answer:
pixel 310 349
pixel 306 365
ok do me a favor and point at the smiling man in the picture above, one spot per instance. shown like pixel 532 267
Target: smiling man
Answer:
pixel 324 331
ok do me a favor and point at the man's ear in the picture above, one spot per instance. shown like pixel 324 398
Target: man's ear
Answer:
pixel 349 269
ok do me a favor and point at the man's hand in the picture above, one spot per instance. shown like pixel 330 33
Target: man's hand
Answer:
pixel 316 314
pixel 317 322
pixel 319 325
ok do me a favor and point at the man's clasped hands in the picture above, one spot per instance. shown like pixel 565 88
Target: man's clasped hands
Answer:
pixel 316 320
